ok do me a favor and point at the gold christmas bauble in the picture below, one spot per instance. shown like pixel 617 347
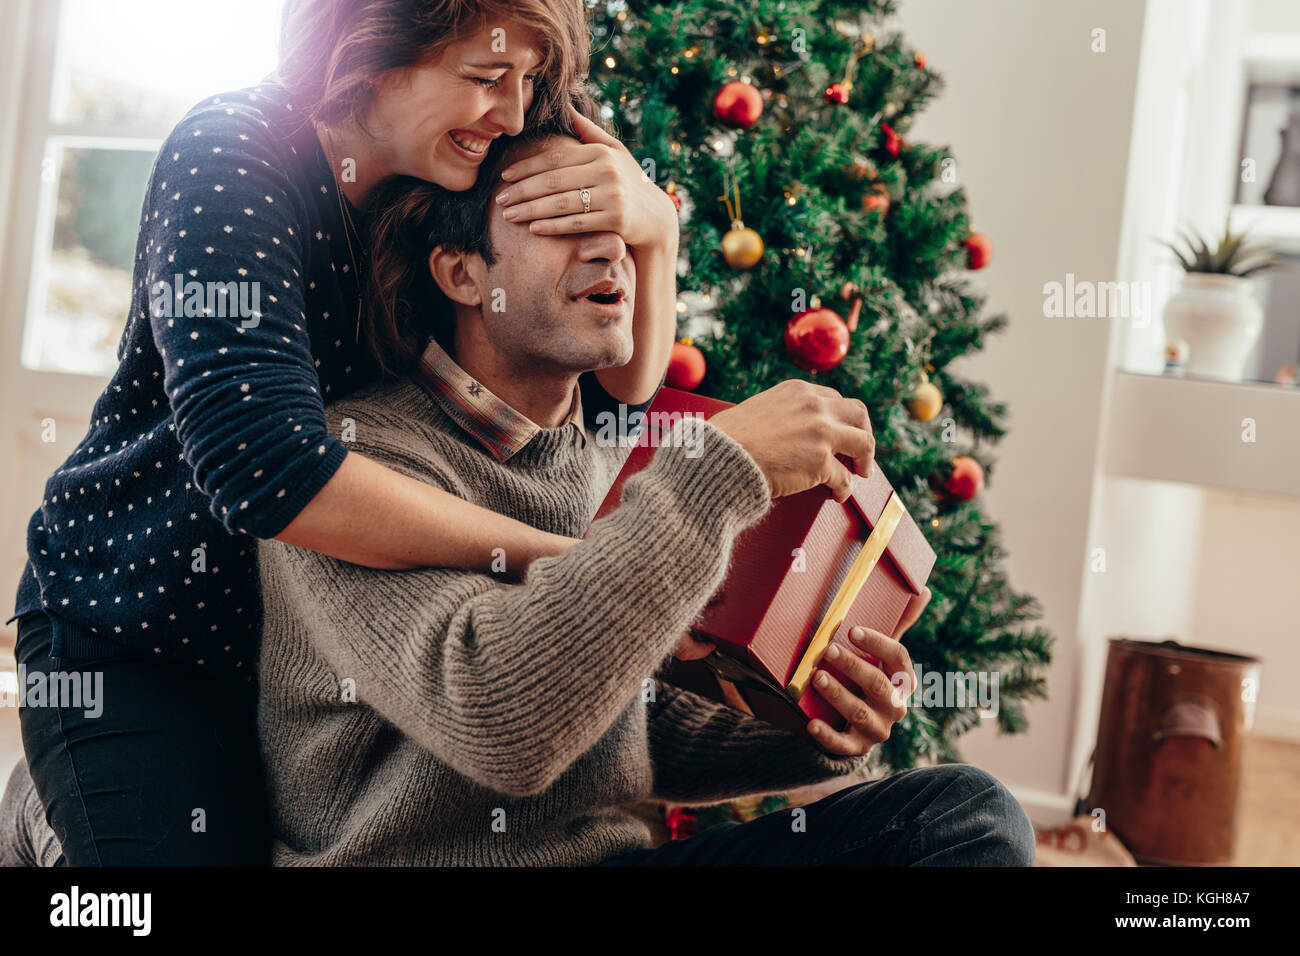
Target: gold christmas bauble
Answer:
pixel 925 402
pixel 742 247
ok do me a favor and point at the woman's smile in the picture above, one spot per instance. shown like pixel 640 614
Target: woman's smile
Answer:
pixel 474 147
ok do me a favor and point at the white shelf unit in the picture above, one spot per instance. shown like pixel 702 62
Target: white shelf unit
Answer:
pixel 1278 225
pixel 1171 428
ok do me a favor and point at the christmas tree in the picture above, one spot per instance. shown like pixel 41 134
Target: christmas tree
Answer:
pixel 820 241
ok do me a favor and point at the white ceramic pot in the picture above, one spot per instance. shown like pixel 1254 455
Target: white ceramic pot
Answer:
pixel 1219 320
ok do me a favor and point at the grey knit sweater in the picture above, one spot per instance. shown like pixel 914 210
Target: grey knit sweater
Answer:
pixel 448 717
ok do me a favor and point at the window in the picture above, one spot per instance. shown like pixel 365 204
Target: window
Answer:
pixel 119 76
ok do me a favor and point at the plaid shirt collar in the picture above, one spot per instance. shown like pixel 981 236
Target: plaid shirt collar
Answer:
pixel 498 427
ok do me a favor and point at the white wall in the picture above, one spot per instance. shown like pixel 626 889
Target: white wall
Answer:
pixel 1042 131
pixel 1146 533
pixel 1275 15
pixel 1040 128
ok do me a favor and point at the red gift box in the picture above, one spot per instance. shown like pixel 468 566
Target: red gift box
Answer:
pixel 799 579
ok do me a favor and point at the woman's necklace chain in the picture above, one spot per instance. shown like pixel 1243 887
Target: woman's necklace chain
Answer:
pixel 349 226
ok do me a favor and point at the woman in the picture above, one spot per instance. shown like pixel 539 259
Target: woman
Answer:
pixel 212 432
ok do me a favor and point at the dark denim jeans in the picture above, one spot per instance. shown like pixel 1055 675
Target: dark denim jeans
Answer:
pixel 950 815
pixel 168 774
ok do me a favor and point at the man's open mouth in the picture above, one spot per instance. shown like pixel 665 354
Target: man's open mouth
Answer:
pixel 605 292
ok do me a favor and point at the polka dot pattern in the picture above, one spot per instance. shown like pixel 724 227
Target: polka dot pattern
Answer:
pixel 212 433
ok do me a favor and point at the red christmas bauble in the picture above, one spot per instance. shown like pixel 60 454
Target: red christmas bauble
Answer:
pixel 817 340
pixel 837 94
pixel 677 202
pixel 966 480
pixel 738 104
pixel 893 142
pixel 685 366
pixel 979 250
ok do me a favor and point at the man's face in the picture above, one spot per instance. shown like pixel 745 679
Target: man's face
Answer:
pixel 537 302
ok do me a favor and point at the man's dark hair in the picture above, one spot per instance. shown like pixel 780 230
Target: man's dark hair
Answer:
pixel 408 218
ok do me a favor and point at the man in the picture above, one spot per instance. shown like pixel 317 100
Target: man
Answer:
pixel 449 717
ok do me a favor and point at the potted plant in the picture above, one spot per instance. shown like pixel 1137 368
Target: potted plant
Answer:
pixel 1213 311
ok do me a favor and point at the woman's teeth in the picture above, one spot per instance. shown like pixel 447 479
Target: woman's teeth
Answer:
pixel 471 144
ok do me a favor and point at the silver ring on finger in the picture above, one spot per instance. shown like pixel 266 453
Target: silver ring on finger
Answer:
pixel 585 196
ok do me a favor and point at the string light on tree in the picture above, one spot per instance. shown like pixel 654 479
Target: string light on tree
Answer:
pixel 837 94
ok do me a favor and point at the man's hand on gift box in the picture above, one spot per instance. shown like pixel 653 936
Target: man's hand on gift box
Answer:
pixel 689 649
pixel 882 670
pixel 794 431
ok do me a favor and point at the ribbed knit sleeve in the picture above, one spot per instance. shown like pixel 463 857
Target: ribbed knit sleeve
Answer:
pixel 26 837
pixel 703 751
pixel 243 387
pixel 509 684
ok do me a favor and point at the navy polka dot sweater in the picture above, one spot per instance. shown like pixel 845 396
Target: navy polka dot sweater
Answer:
pixel 212 431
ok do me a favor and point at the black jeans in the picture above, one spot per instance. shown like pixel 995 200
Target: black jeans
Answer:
pixel 151 766
pixel 949 815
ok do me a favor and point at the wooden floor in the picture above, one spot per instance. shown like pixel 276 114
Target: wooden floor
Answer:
pixel 1269 820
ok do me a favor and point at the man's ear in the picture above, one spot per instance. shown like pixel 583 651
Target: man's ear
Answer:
pixel 451 270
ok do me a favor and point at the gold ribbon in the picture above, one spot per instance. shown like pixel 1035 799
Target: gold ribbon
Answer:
pixel 861 569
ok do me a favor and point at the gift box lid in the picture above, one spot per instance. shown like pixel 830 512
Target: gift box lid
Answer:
pixel 793 516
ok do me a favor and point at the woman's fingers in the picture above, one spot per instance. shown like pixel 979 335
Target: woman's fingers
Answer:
pixel 545 191
pixel 566 201
pixel 559 192
pixel 608 221
pixel 564 154
pixel 589 131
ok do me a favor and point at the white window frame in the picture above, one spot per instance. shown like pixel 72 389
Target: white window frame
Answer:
pixel 41 140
